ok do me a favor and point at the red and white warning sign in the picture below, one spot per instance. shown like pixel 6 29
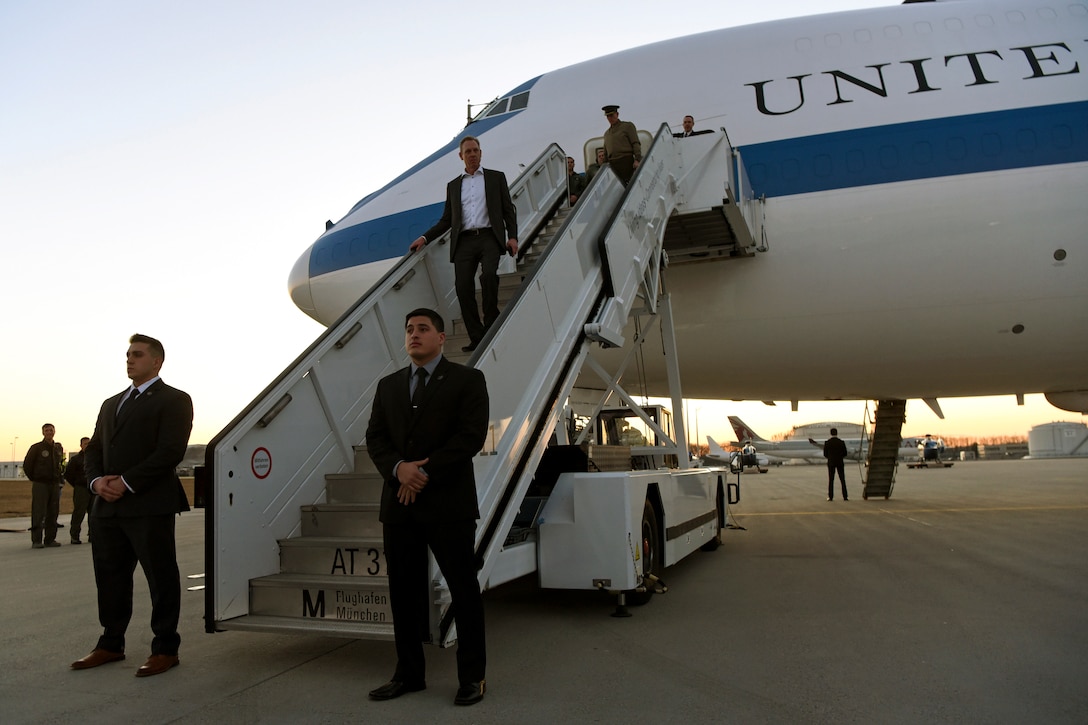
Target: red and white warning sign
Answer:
pixel 261 463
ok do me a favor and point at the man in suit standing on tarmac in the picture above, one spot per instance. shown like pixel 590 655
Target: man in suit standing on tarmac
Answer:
pixel 427 423
pixel 139 439
pixel 481 215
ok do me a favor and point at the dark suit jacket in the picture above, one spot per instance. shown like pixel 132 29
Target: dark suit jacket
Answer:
pixel 449 428
pixel 500 211
pixel 144 445
pixel 835 450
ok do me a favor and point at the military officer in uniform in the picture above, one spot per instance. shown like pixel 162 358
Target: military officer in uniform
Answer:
pixel 621 144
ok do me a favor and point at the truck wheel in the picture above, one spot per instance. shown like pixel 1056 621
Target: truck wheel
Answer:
pixel 650 546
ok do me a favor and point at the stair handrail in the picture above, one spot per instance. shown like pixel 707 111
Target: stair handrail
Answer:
pixel 256 486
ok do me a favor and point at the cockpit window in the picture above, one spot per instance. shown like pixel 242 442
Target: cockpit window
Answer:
pixel 509 104
pixel 519 101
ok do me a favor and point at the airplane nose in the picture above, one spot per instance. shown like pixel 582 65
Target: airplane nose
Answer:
pixel 298 284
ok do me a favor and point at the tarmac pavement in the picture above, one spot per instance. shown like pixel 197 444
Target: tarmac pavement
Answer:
pixel 962 598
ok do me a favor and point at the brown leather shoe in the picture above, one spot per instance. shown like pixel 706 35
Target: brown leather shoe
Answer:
pixel 97 657
pixel 157 664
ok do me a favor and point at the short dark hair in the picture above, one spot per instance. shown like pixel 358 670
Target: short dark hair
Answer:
pixel 48 425
pixel 834 431
pixel 434 317
pixel 84 438
pixel 691 117
pixel 461 147
pixel 156 346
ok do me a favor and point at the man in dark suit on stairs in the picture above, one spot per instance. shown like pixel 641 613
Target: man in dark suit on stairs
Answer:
pixel 139 439
pixel 427 423
pixel 481 215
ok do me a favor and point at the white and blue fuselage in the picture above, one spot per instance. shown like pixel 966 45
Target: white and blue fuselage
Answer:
pixel 925 169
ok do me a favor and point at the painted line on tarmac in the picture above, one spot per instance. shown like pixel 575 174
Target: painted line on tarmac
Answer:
pixel 901 512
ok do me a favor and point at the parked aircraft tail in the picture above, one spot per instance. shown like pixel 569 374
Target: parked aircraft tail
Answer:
pixel 743 431
pixel 714 449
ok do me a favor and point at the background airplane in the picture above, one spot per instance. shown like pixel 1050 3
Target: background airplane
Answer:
pixel 807 449
pixel 718 456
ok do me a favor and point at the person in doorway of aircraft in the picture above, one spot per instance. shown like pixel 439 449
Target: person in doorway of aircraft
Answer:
pixel 481 214
pixel 621 144
pixel 689 128
pixel 593 168
pixel 427 422
pixel 576 183
pixel 835 453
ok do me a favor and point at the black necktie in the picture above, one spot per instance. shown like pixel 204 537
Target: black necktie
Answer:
pixel 421 383
pixel 129 399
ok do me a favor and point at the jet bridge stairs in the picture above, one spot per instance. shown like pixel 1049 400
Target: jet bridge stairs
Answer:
pixel 293 539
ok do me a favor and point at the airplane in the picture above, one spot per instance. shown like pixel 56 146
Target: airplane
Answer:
pixel 805 450
pixel 718 456
pixel 811 450
pixel 922 169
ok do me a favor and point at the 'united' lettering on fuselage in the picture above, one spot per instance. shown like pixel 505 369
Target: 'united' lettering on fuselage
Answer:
pixel 1041 61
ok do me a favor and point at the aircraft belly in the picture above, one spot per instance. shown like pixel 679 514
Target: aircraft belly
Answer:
pixel 864 291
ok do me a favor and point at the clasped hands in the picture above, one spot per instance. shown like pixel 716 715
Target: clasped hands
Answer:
pixel 412 479
pixel 110 488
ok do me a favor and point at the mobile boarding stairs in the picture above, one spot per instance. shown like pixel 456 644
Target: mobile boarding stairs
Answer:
pixel 293 539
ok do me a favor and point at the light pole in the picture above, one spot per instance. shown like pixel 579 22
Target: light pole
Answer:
pixel 698 440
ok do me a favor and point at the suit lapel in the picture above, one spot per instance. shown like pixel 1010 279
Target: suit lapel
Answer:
pixel 455 210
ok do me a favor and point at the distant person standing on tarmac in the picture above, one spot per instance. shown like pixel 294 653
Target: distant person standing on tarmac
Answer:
pixel 42 466
pixel 76 475
pixel 835 453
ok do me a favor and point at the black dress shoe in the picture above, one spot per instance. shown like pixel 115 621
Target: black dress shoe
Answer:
pixel 470 693
pixel 471 347
pixel 395 688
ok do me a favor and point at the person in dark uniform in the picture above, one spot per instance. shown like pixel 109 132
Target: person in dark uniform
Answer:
pixel 835 452
pixel 576 183
pixel 621 144
pixel 42 466
pixel 139 439
pixel 481 214
pixel 593 168
pixel 427 423
pixel 689 128
pixel 76 475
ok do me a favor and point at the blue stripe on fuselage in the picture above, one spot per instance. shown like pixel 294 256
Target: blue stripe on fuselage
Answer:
pixel 1026 137
pixel 1039 136
pixel 389 236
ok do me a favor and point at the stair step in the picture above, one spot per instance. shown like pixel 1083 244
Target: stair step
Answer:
pixel 333 556
pixel 310 626
pixel 341 520
pixel 353 488
pixel 363 464
pixel 307 596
